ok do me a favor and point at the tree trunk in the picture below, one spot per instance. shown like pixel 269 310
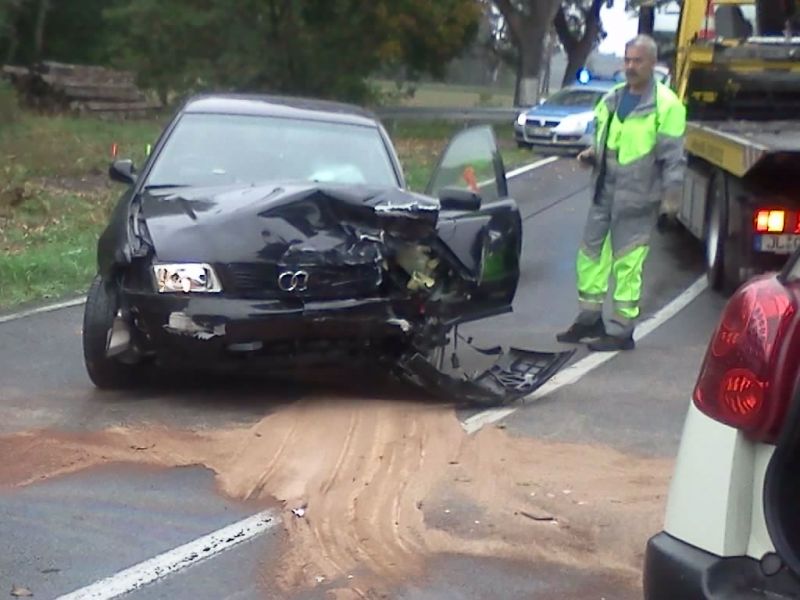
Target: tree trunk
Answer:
pixel 38 34
pixel 576 58
pixel 530 65
pixel 528 29
pixel 578 50
pixel 13 44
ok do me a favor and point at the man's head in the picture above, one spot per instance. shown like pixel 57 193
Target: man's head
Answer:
pixel 641 54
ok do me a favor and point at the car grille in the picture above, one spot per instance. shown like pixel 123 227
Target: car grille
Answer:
pixel 324 282
pixel 534 128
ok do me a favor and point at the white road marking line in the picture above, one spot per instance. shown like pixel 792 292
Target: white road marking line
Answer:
pixel 175 560
pixel 576 371
pixel 521 170
pixel 79 301
pixel 42 309
pixel 532 166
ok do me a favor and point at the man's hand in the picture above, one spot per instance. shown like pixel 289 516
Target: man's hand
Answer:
pixel 587 157
pixel 668 212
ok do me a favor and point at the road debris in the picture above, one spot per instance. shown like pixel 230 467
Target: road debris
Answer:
pixel 140 448
pixel 535 517
pixel 20 592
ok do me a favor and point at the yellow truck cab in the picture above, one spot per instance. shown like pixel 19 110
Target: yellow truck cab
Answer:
pixel 736 65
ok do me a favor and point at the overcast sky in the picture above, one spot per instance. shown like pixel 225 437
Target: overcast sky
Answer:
pixel 620 26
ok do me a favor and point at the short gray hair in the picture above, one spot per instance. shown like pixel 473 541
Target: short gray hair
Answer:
pixel 646 42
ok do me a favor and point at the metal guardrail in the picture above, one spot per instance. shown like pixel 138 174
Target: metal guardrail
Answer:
pixel 426 113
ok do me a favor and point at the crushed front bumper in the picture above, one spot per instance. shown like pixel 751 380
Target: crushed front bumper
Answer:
pixel 674 569
pixel 219 332
pixel 206 329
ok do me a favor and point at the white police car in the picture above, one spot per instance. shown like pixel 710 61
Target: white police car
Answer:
pixel 565 121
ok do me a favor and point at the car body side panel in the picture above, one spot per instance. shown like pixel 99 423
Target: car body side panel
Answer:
pixel 711 503
pixel 114 245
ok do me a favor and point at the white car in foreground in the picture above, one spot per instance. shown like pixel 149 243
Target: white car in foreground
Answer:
pixel 732 527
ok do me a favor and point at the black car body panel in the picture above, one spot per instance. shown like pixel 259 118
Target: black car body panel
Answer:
pixel 782 488
pixel 675 570
pixel 322 270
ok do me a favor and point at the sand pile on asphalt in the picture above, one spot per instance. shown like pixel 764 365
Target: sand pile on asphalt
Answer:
pixel 386 484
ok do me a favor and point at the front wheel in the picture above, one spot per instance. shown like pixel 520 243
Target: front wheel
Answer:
pixel 101 307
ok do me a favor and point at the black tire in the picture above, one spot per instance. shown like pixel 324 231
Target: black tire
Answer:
pixel 98 317
pixel 715 232
pixel 724 257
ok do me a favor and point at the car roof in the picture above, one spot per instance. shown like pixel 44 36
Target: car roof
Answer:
pixel 281 106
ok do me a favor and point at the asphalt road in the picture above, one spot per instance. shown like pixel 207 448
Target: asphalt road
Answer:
pixel 66 532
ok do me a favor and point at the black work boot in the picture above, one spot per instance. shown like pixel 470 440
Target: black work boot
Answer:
pixel 612 343
pixel 579 332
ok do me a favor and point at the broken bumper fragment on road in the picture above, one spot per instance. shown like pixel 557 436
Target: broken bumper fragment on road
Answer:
pixel 514 375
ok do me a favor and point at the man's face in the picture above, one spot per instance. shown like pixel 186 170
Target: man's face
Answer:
pixel 639 66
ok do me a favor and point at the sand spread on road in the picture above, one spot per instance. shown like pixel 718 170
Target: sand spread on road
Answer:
pixel 386 484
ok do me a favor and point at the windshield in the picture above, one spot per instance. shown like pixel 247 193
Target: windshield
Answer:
pixel 572 97
pixel 213 149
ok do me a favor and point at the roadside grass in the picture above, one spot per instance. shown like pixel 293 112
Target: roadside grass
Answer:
pixel 55 196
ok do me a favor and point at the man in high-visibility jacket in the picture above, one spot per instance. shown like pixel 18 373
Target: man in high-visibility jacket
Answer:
pixel 638 173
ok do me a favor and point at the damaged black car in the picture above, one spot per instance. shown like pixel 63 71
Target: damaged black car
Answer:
pixel 279 232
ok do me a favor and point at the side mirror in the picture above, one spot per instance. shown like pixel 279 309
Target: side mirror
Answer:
pixel 451 198
pixel 122 171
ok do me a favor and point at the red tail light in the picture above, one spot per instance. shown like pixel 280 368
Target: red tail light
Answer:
pixel 743 382
pixel 770 221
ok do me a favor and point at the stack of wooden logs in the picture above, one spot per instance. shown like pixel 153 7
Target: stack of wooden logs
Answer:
pixel 56 88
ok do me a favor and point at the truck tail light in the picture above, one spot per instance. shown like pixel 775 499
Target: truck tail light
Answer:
pixel 770 221
pixel 743 382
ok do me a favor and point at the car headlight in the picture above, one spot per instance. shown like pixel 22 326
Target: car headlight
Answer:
pixel 186 278
pixel 521 118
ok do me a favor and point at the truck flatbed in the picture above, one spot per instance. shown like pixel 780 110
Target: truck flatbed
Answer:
pixel 738 145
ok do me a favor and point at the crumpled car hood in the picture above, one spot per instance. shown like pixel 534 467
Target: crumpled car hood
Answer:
pixel 261 223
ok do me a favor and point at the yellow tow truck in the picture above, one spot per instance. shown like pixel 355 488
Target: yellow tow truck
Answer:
pixel 736 66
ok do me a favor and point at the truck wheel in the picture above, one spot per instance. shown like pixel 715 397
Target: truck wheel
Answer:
pixel 715 233
pixel 724 259
pixel 98 317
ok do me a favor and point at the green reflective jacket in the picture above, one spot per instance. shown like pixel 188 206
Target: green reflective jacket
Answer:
pixel 647 147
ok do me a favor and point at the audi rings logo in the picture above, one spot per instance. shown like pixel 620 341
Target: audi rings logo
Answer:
pixel 293 281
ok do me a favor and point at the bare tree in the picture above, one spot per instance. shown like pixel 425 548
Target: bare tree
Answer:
pixel 579 30
pixel 528 22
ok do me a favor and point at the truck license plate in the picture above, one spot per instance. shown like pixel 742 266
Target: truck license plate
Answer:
pixel 779 244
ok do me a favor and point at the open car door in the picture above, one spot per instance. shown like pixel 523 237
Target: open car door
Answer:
pixel 481 226
pixel 478 222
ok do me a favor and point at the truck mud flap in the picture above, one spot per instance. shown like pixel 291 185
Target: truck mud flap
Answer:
pixel 515 374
